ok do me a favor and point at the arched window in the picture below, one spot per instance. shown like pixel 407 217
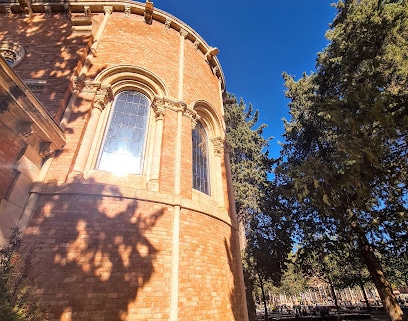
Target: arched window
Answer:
pixel 123 144
pixel 200 159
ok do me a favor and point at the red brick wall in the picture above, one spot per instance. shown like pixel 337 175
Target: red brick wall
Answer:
pixel 208 263
pixel 168 151
pixel 11 148
pixel 52 54
pixel 196 69
pixel 107 254
pixel 149 46
pixel 64 159
pixel 104 257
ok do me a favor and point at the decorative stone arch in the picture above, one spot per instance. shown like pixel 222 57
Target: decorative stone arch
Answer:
pixel 106 85
pixel 209 118
pixel 212 122
pixel 124 77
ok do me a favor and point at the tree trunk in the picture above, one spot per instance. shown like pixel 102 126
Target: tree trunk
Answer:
pixel 263 298
pixel 381 283
pixel 333 293
pixel 361 284
pixel 249 286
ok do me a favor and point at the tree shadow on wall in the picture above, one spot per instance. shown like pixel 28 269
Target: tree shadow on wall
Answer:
pixel 92 252
pixel 52 53
pixel 234 260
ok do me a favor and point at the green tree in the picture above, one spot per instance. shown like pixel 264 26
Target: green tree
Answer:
pixel 345 156
pixel 17 302
pixel 250 163
pixel 263 217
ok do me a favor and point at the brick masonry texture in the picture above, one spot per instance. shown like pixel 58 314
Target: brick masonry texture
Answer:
pixel 52 53
pixel 104 251
pixel 10 150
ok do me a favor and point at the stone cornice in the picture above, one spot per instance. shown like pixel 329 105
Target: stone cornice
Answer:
pixel 29 118
pixel 82 8
pixel 160 104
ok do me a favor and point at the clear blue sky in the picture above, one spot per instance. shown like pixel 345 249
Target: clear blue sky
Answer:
pixel 258 40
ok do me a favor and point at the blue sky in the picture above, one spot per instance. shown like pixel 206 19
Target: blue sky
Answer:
pixel 259 40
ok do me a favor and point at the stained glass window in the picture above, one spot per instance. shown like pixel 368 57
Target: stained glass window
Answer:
pixel 123 145
pixel 200 159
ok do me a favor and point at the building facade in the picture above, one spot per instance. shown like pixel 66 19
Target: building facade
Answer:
pixel 113 162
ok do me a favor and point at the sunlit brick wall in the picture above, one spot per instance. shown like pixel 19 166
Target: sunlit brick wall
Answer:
pixel 52 52
pixel 105 246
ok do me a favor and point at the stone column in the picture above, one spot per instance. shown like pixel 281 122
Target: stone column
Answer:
pixel 218 147
pixel 102 97
pixel 153 170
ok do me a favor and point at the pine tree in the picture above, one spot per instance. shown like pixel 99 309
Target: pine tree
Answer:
pixel 345 156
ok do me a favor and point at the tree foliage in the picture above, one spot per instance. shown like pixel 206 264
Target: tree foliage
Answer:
pixel 345 156
pixel 250 163
pixel 265 219
pixel 17 302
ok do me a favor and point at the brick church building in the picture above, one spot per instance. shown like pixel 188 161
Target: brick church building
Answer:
pixel 113 162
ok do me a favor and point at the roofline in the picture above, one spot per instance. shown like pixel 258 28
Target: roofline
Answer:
pixel 69 8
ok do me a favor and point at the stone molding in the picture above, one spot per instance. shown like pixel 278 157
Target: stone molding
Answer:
pixel 160 104
pixel 24 113
pixel 218 146
pixel 82 22
pixel 102 97
pixel 35 85
pixel 148 12
pixel 159 108
pixel 183 33
pixel 25 129
pixel 167 23
pixel 128 11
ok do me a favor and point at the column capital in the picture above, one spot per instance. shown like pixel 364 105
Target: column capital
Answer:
pixel 87 11
pixel 107 9
pixel 78 83
pixel 102 97
pixel 218 145
pixel 183 33
pixel 159 108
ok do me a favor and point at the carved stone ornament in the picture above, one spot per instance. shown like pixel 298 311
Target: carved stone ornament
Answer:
pixel 102 97
pixel 25 129
pixel 158 106
pixel 48 10
pixel 91 86
pixel 127 11
pixel 167 23
pixel 194 116
pixel 12 52
pixel 45 150
pixel 9 13
pixel 148 13
pixel 78 83
pixel 67 10
pixel 87 11
pixel 183 33
pixel 190 113
pixel 107 9
pixel 218 144
pixel 196 44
